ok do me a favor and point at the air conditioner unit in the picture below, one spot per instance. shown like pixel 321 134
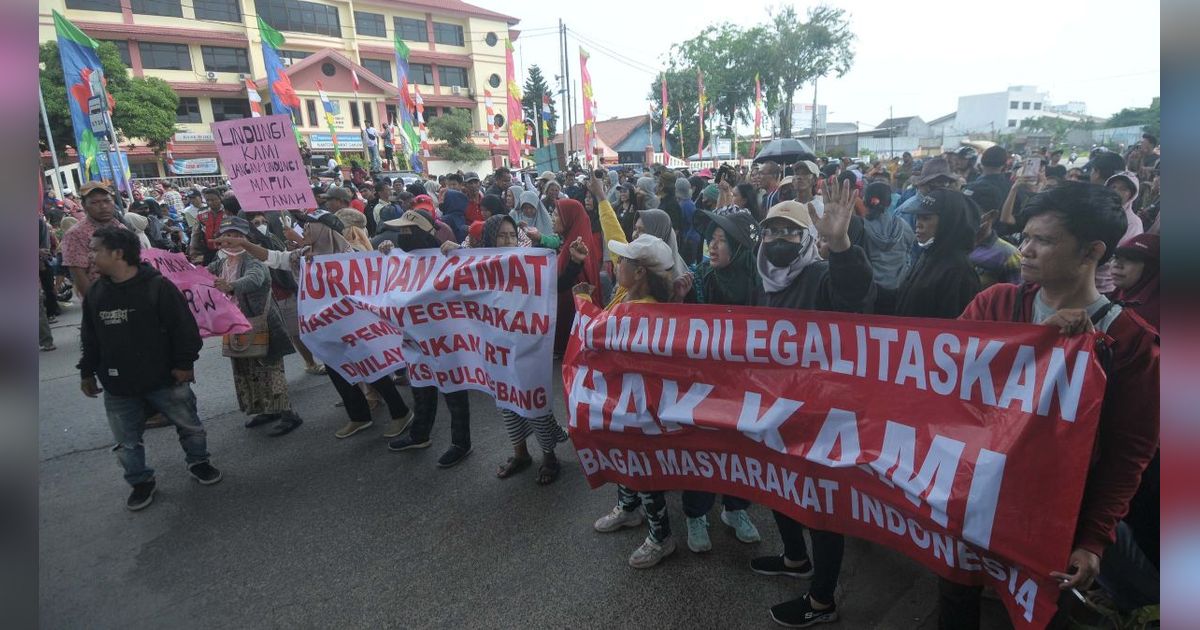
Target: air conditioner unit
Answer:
pixel 210 75
pixel 456 90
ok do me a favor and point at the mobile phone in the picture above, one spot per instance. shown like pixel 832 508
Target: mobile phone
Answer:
pixel 1031 167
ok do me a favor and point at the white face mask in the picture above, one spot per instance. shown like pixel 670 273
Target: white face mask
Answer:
pixel 232 251
pixel 926 244
pixel 262 229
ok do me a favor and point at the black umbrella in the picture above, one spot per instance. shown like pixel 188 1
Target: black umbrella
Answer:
pixel 783 151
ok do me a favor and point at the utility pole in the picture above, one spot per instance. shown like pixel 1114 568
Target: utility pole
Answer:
pixel 891 133
pixel 50 144
pixel 570 92
pixel 564 92
pixel 813 130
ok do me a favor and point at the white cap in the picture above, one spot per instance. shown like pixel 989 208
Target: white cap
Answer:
pixel 648 250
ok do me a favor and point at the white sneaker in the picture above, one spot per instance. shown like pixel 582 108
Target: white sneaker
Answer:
pixel 616 519
pixel 651 553
pixel 742 526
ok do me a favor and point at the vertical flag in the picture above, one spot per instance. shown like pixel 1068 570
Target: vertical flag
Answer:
pixel 516 124
pixel 424 136
pixel 85 82
pixel 662 140
pixel 354 82
pixel 589 107
pixel 682 150
pixel 546 115
pixel 490 110
pixel 171 157
pixel 703 104
pixel 256 109
pixel 757 115
pixel 283 97
pixel 328 106
pixel 411 141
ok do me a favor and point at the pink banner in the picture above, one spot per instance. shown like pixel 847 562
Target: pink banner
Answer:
pixel 263 163
pixel 215 313
pixel 516 124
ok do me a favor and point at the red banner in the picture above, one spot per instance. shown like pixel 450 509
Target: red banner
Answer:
pixel 964 445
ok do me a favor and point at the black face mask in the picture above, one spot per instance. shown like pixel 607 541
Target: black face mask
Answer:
pixel 782 253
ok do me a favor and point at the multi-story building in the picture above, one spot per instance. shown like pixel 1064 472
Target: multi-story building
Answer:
pixel 206 48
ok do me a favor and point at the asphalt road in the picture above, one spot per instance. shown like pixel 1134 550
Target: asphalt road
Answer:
pixel 309 531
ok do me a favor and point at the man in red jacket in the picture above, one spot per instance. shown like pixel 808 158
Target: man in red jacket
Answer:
pixel 1069 231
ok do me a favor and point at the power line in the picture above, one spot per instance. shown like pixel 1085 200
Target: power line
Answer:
pixel 627 61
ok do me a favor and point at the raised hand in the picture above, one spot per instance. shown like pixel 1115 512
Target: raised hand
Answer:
pixel 839 207
pixel 578 250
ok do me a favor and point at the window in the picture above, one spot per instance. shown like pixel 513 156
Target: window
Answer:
pixel 289 57
pixel 421 73
pixel 1012 123
pixel 390 110
pixel 143 170
pixel 297 15
pixel 1014 104
pixel 411 29
pixel 169 8
pixel 220 59
pixel 369 114
pixel 494 80
pixel 230 109
pixel 1025 105
pixel 448 34
pixel 219 10
pixel 355 121
pixel 1037 106
pixel 328 69
pixel 449 76
pixel 122 47
pixel 371 24
pixel 188 110
pixel 156 56
pixel 311 106
pixel 113 6
pixel 490 39
pixel 381 68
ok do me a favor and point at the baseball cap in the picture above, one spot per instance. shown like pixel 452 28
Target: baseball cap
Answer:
pixel 423 202
pixel 92 187
pixel 413 218
pixel 235 224
pixel 470 176
pixel 339 193
pixel 812 167
pixel 193 193
pixel 546 175
pixel 792 211
pixel 1141 247
pixel 648 250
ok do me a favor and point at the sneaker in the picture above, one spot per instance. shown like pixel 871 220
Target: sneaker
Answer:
pixel 799 613
pixel 261 419
pixel 651 553
pixel 397 426
pixel 698 540
pixel 288 421
pixel 351 428
pixel 742 526
pixel 47 347
pixel 205 473
pixel 616 519
pixel 453 456
pixel 406 442
pixel 775 565
pixel 142 495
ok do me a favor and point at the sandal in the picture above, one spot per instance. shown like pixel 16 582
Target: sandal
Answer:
pixel 286 425
pixel 261 419
pixel 548 473
pixel 513 466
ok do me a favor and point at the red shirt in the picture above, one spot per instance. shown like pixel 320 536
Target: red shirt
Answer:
pixel 358 204
pixel 1127 437
pixel 474 208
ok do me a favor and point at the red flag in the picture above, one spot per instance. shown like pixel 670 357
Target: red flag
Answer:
pixel 354 80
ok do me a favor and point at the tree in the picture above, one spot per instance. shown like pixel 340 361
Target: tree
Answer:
pixel 1148 118
pixel 724 53
pixel 531 101
pixel 799 52
pixel 683 97
pixel 455 130
pixel 144 108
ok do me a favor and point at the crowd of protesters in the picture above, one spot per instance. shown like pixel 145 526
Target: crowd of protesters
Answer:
pixel 968 234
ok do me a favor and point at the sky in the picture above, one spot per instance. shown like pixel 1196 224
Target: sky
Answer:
pixel 916 58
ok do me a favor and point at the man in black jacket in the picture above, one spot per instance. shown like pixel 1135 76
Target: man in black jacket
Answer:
pixel 795 277
pixel 140 338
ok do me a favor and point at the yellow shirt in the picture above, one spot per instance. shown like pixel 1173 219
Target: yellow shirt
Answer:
pixel 611 229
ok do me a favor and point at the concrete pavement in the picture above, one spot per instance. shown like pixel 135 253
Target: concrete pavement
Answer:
pixel 310 531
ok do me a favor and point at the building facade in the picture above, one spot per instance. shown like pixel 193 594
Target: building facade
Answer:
pixel 206 48
pixel 999 112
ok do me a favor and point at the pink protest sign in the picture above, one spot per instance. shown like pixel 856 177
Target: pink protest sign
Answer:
pixel 216 314
pixel 263 163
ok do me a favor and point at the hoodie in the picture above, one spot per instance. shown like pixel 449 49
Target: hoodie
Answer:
pixel 135 332
pixel 942 281
pixel 889 238
pixel 454 208
pixel 1104 281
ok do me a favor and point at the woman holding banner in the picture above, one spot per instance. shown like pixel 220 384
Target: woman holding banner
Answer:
pixel 644 276
pixel 572 224
pixel 260 383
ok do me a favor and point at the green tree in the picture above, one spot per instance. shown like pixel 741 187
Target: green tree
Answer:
pixel 531 101
pixel 683 97
pixel 1147 117
pixel 145 108
pixel 455 130
pixel 798 52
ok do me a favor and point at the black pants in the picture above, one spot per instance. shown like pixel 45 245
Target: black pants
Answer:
pixel 50 296
pixel 697 504
pixel 827 551
pixel 958 605
pixel 425 403
pixel 356 401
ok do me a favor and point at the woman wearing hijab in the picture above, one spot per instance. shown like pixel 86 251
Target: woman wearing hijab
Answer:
pixel 668 201
pixel 654 222
pixel 942 280
pixel 138 223
pixel 729 276
pixel 454 213
pixel 1126 185
pixel 355 230
pixel 535 221
pixel 1135 272
pixel 644 277
pixel 794 277
pixel 645 191
pixel 260 383
pixel 571 223
pixel 690 240
pixel 890 238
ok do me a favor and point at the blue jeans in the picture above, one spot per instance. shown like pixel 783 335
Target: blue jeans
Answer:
pixel 127 419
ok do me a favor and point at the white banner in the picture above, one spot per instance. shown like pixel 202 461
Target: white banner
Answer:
pixel 194 166
pixel 482 319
